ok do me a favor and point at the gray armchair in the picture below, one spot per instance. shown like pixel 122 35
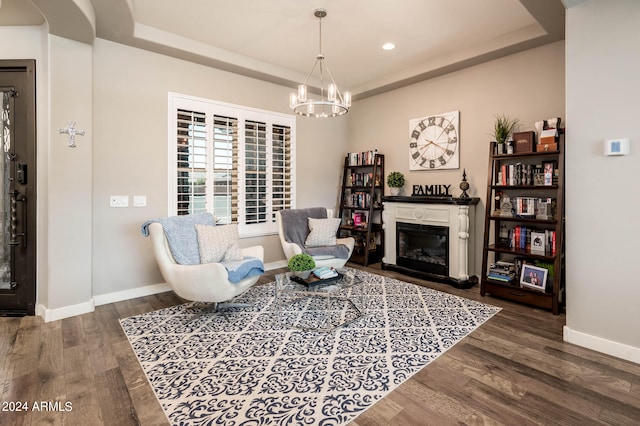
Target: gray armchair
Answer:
pixel 322 257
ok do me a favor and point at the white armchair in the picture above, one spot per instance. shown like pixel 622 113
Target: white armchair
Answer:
pixel 203 282
pixel 321 260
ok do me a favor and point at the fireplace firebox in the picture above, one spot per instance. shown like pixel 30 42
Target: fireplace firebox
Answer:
pixel 423 248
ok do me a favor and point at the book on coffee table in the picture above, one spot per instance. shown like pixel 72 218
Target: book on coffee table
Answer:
pixel 325 272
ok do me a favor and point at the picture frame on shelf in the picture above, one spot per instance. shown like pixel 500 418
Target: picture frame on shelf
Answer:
pixel 538 242
pixel 538 175
pixel 547 170
pixel 533 277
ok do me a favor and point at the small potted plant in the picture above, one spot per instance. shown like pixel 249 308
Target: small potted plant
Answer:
pixel 502 129
pixel 395 181
pixel 301 265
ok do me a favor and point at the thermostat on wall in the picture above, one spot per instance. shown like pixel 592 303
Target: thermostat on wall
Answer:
pixel 616 147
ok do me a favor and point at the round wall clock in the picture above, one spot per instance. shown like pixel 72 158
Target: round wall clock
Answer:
pixel 434 142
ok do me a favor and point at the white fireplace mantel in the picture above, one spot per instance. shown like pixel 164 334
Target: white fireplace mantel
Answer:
pixel 456 214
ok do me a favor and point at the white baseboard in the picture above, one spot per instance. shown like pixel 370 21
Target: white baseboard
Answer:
pixel 101 299
pixel 275 265
pixel 619 350
pixel 65 312
pixel 119 296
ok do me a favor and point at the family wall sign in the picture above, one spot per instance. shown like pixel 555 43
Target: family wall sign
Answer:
pixel 442 190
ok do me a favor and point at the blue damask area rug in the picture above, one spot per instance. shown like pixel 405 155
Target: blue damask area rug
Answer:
pixel 254 368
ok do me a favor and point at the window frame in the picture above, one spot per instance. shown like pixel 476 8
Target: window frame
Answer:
pixel 243 114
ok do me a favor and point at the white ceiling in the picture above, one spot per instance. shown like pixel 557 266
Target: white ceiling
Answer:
pixel 277 40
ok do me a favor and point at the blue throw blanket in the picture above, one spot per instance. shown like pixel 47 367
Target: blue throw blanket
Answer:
pixel 245 268
pixel 182 236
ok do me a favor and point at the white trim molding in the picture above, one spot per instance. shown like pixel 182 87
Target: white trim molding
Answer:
pixel 619 350
pixel 119 296
pixel 49 315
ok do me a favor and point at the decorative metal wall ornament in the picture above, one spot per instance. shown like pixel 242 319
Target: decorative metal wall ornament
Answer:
pixel 72 132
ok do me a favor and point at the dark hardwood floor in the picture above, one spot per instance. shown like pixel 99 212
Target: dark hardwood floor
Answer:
pixel 513 370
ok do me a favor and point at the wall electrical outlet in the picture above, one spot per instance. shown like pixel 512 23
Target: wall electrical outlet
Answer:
pixel 118 201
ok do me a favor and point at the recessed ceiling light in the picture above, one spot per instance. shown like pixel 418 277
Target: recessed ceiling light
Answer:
pixel 388 46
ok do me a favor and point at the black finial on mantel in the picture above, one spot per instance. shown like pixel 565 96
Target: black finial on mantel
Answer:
pixel 464 185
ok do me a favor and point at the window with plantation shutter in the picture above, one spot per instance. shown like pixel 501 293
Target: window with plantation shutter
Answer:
pixel 281 159
pixel 225 169
pixel 235 162
pixel 191 162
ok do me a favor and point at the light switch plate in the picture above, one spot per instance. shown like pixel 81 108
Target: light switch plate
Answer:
pixel 118 201
pixel 139 200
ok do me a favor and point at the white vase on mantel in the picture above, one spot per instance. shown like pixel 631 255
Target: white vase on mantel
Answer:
pixel 394 191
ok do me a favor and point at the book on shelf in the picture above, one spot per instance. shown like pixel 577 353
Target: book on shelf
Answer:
pixel 530 240
pixel 502 271
pixel 520 174
pixel 502 266
pixel 525 207
pixel 362 179
pixel 534 208
pixel 365 158
pixel 360 200
pixel 503 278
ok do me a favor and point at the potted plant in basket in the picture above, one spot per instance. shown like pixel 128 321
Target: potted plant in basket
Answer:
pixel 301 265
pixel 502 129
pixel 395 181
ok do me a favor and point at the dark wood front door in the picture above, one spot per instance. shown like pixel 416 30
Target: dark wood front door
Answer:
pixel 17 187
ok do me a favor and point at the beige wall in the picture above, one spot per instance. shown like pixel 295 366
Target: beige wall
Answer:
pixel 603 283
pixel 527 85
pixel 69 175
pixel 63 93
pixel 130 153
